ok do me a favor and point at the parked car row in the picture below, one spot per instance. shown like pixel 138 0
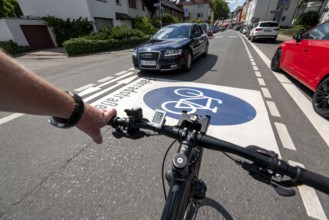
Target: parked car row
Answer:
pixel 261 30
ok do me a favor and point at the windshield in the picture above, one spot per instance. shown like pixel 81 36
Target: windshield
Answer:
pixel 170 32
pixel 269 24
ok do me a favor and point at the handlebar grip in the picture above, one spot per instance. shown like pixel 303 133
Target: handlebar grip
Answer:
pixel 314 180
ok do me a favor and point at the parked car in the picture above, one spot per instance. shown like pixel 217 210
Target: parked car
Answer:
pixel 172 47
pixel 305 58
pixel 249 27
pixel 237 28
pixel 264 30
pixel 207 30
pixel 214 28
pixel 246 29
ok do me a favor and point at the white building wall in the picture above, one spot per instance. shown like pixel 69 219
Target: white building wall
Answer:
pixel 5 34
pixel 58 8
pixel 325 15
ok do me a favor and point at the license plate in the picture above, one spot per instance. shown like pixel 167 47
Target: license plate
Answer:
pixel 267 30
pixel 148 62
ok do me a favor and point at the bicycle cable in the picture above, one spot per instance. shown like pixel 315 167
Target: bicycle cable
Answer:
pixel 162 169
pixel 239 162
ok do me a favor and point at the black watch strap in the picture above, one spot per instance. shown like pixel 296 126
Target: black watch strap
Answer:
pixel 75 116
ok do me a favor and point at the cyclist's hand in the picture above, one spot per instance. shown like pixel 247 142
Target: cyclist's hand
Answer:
pixel 93 120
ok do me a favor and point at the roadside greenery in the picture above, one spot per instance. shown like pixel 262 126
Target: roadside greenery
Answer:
pixel 67 29
pixel 119 37
pixel 12 48
pixel 10 8
pixel 303 23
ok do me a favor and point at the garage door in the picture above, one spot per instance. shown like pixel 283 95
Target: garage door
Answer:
pixel 37 36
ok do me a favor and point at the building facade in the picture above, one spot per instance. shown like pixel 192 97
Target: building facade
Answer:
pixel 202 9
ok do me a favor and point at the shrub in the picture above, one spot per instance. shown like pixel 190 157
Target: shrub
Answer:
pixel 156 22
pixel 145 24
pixel 308 19
pixel 84 45
pixel 67 29
pixel 12 48
pixel 120 32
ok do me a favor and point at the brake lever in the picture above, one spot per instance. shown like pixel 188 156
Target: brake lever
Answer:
pixel 257 173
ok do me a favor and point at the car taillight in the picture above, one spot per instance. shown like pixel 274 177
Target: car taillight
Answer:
pixel 258 29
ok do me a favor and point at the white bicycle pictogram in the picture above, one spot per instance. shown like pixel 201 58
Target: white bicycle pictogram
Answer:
pixel 189 103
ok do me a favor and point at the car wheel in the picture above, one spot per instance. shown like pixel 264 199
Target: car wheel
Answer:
pixel 274 40
pixel 275 62
pixel 188 62
pixel 205 53
pixel 321 99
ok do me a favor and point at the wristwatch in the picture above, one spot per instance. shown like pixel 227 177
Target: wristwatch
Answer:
pixel 75 116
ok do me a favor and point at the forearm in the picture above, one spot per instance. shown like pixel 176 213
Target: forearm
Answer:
pixel 23 91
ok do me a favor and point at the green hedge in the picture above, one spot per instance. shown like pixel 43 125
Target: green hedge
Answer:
pixel 81 46
pixel 12 48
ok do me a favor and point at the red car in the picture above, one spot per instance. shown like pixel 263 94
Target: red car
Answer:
pixel 306 58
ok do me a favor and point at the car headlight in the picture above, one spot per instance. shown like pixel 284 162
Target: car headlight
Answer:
pixel 175 52
pixel 134 53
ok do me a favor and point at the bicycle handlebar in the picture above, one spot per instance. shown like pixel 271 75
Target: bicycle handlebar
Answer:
pixel 266 166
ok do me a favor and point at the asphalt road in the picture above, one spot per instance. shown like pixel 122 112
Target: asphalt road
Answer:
pixel 48 173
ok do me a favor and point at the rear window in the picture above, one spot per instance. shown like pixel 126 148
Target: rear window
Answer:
pixel 268 24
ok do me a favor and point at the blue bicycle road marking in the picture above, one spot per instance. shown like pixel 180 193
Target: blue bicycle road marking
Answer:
pixel 223 108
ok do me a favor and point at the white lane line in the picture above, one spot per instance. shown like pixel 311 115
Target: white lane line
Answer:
pixel 255 68
pixel 105 79
pixel 116 79
pixel 253 63
pixel 273 109
pixel 84 87
pixel 131 69
pixel 261 82
pixel 266 93
pixel 120 73
pixel 101 92
pixel 284 136
pixel 258 74
pixel 310 199
pixel 319 123
pixel 10 117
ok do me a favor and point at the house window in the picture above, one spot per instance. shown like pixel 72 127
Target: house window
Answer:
pixel 200 15
pixel 200 5
pixel 283 18
pixel 118 2
pixel 132 4
pixel 143 6
pixel 102 23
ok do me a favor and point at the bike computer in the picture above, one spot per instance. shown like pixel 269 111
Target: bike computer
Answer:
pixel 158 118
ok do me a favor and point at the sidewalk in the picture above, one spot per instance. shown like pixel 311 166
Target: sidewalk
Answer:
pixel 51 53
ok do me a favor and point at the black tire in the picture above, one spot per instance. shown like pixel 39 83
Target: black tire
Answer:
pixel 321 99
pixel 188 62
pixel 274 40
pixel 275 62
pixel 205 53
pixel 209 209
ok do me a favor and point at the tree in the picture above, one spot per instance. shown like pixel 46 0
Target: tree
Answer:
pixel 221 9
pixel 10 8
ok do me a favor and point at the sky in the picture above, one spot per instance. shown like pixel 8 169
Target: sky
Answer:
pixel 232 4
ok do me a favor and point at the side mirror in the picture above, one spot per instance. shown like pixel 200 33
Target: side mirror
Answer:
pixel 298 37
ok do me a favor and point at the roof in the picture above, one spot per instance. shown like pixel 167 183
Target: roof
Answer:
pixel 172 5
pixel 193 2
